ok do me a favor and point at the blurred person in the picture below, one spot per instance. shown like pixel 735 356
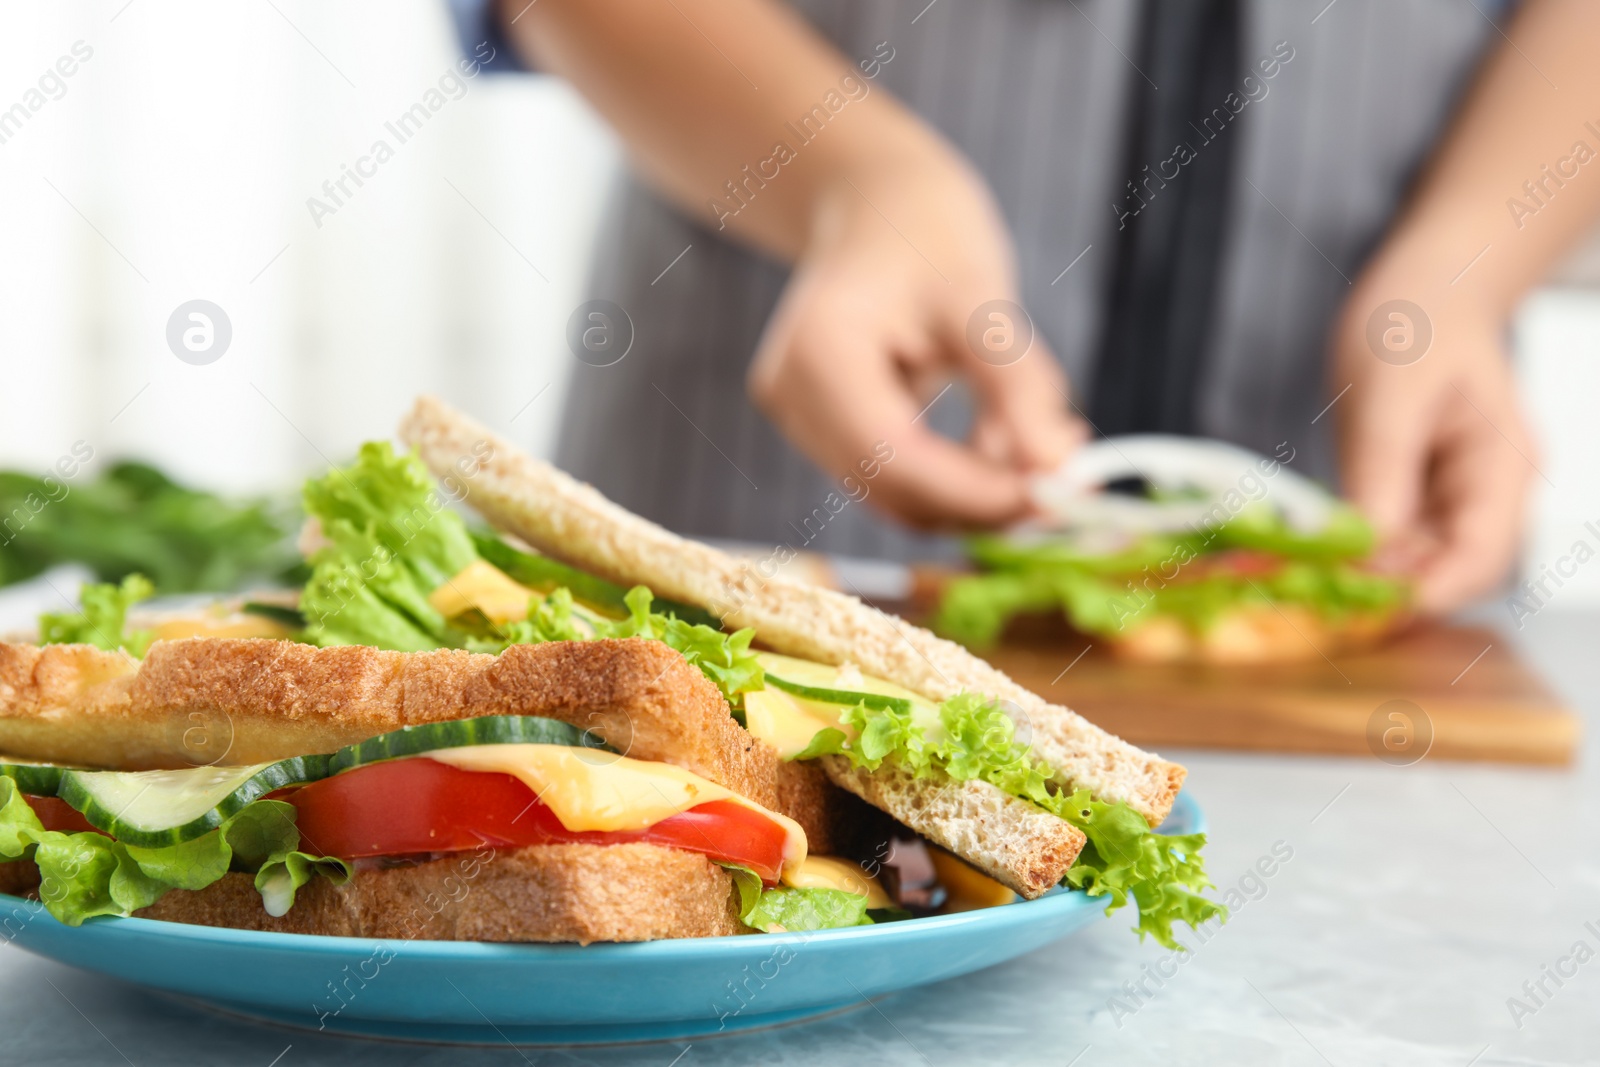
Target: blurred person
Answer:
pixel 1209 209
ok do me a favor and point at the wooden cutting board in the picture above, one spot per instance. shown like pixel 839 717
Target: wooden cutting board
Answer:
pixel 1443 692
pixel 1437 692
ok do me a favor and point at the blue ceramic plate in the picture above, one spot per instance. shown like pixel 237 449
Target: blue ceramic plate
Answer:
pixel 556 994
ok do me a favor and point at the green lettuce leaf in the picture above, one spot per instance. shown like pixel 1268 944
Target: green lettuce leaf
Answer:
pixel 1124 859
pixel 748 883
pixel 882 733
pixel 86 874
pixel 285 872
pixel 785 910
pixel 544 575
pixel 394 540
pixel 104 619
pixel 726 659
pixel 191 865
pixel 826 742
pixel 261 830
pixel 1162 873
pixel 555 618
pixel 133 518
pixel 1107 594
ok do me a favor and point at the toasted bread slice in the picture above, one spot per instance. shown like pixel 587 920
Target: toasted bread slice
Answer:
pixel 1023 847
pixel 583 893
pixel 255 700
pixel 240 701
pixel 572 521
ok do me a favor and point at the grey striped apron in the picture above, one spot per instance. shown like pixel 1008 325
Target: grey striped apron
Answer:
pixel 1035 93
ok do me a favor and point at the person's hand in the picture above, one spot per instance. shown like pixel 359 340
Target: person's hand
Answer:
pixel 1434 451
pixel 874 323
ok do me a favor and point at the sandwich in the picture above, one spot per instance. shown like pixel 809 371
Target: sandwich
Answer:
pixel 1186 559
pixel 1246 591
pixel 567 725
pixel 453 794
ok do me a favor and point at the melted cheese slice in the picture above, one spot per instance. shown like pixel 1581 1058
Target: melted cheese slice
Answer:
pixel 482 585
pixel 239 625
pixel 593 790
pixel 827 872
pixel 786 722
pixel 968 887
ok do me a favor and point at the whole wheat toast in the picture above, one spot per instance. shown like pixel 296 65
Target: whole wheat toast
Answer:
pixel 583 893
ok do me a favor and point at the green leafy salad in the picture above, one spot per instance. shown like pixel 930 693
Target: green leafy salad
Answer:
pixel 135 519
pixel 85 874
pixel 385 573
pixel 1254 559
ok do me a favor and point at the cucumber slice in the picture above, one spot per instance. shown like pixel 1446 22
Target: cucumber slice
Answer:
pixel 459 733
pixel 36 779
pixel 817 681
pixel 543 574
pixel 154 809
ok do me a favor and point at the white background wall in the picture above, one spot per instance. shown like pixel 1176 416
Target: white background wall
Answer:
pixel 177 165
pixel 1558 346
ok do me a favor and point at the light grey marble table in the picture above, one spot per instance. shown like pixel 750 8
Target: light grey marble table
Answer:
pixel 1416 903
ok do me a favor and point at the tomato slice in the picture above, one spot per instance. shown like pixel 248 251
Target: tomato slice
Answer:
pixel 418 805
pixel 56 814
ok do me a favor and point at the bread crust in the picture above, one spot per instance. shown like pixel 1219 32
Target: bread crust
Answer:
pixel 264 700
pixel 1022 846
pixel 582 893
pixel 570 520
